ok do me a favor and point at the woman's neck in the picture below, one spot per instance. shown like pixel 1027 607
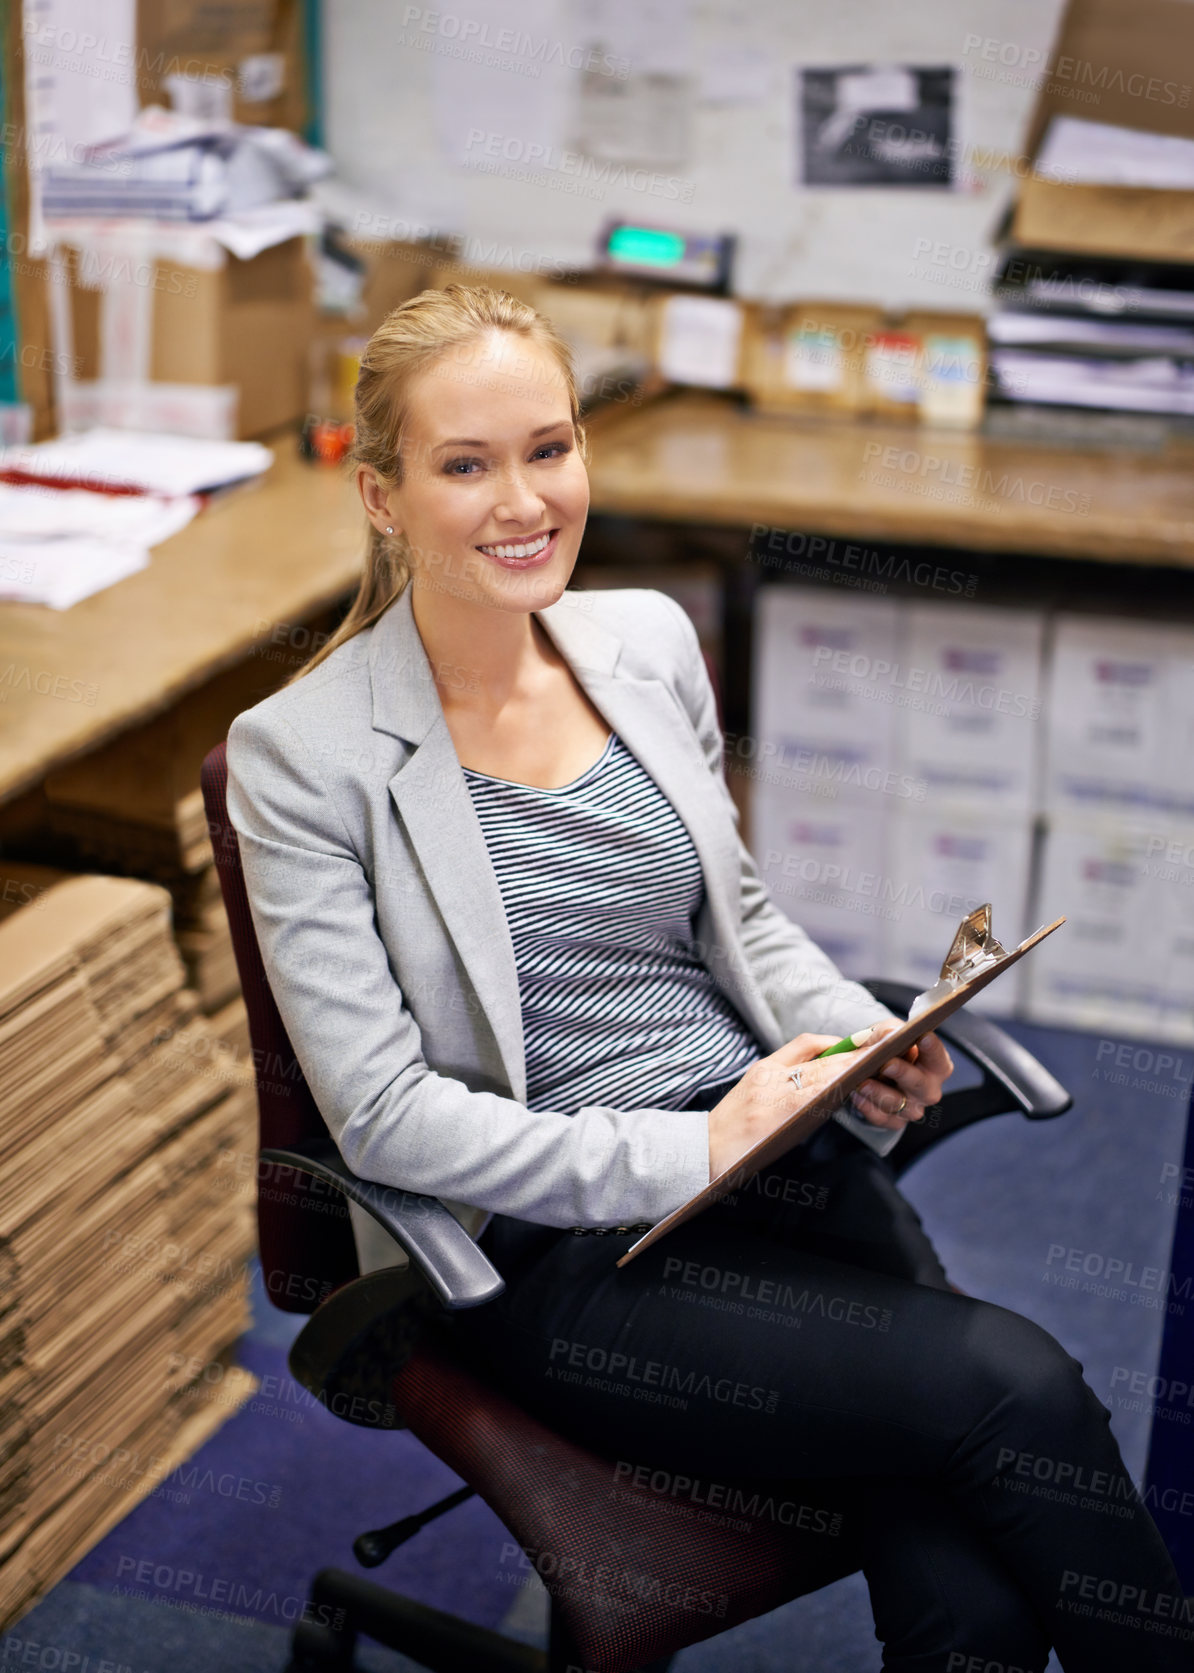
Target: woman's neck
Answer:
pixel 480 656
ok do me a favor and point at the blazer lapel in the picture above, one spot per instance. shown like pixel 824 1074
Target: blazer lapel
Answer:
pixel 431 796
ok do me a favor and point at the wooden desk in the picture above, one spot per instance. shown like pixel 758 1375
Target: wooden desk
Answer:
pixel 277 551
pixel 290 546
pixel 700 458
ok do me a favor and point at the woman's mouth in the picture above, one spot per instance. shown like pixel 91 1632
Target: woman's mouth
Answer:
pixel 526 553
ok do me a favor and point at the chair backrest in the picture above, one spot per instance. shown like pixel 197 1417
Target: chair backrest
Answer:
pixel 304 1232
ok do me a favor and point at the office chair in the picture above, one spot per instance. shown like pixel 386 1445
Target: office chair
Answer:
pixel 630 1581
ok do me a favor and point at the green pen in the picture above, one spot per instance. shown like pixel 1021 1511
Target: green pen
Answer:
pixel 851 1043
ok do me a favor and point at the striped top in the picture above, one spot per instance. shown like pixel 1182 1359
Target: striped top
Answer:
pixel 601 886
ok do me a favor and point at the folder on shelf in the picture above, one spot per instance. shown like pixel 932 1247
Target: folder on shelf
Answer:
pixel 975 958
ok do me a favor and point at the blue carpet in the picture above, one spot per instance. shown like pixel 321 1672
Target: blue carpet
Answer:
pixel 210 1572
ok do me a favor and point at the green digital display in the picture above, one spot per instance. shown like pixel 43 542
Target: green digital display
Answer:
pixel 646 246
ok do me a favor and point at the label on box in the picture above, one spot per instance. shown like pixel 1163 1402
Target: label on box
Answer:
pixel 952 371
pixel 892 366
pixel 813 359
pixel 261 76
pixel 206 101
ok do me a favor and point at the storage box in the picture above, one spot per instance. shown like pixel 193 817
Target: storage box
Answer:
pixel 1120 714
pixel 245 59
pixel 809 357
pixel 940 868
pixel 825 867
pixel 951 369
pixel 1104 969
pixel 822 678
pixel 234 336
pixel 1128 221
pixel 969 716
pixel 1126 65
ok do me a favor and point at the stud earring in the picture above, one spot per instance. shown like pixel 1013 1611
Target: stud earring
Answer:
pixel 389 528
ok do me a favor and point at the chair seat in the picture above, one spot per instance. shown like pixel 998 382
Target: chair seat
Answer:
pixel 637 1572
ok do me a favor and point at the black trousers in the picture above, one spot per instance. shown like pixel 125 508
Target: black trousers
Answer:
pixel 805 1330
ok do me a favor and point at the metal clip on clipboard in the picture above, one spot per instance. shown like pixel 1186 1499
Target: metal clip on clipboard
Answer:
pixel 974 948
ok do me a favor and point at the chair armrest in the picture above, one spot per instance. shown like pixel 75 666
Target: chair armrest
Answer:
pixel 1014 1075
pixel 457 1269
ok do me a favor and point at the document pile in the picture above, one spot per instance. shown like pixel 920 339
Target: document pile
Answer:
pixel 1082 330
pixel 172 167
pixel 80 513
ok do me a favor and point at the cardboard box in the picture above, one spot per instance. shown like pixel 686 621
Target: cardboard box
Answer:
pixel 824 865
pixel 1126 65
pixel 809 357
pixel 1103 968
pixel 968 699
pixel 242 328
pixel 1120 708
pixel 248 57
pixel 824 714
pixel 1127 221
pixel 942 866
pixel 951 368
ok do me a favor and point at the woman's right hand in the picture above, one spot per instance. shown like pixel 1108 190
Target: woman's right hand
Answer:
pixel 765 1097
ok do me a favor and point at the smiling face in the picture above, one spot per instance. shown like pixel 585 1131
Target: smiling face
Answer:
pixel 494 493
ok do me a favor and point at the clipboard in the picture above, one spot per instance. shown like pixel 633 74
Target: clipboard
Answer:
pixel 975 958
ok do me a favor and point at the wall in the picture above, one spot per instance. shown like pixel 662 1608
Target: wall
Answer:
pixel 404 107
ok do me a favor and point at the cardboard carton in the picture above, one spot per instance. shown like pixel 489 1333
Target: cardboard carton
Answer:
pixel 1129 66
pixel 242 327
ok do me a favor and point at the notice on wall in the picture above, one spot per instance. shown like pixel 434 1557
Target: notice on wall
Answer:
pixel 876 125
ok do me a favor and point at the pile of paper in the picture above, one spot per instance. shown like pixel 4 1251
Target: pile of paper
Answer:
pixel 169 166
pixel 80 513
pixel 125 1217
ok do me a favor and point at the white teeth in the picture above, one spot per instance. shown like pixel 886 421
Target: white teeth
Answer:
pixel 529 550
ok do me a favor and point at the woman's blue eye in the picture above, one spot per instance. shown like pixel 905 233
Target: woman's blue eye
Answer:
pixel 463 466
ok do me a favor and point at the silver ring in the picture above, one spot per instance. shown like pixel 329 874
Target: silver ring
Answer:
pixel 794 1077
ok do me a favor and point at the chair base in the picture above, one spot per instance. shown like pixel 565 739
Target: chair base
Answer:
pixel 342 1605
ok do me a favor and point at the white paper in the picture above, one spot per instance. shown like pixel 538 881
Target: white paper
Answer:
pixel 33 513
pixel 1098 153
pixel 699 341
pixel 644 116
pixel 128 458
pixel 58 546
pixel 493 107
pixel 880 88
pixel 74 98
pixel 60 573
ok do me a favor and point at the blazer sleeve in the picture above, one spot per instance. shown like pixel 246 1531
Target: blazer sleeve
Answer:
pixel 393 1117
pixel 804 988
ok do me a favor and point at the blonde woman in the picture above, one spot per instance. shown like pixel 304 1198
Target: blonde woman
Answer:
pixel 528 967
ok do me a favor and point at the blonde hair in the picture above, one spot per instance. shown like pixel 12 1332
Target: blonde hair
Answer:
pixel 407 341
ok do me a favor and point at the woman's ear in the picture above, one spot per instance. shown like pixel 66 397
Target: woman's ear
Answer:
pixel 375 496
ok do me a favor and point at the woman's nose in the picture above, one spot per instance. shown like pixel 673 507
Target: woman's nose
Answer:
pixel 517 499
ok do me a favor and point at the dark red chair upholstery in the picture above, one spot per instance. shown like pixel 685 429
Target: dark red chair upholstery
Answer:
pixel 632 1580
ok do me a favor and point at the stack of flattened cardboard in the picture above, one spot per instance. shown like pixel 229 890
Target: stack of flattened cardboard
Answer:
pixel 126 1217
pixel 134 807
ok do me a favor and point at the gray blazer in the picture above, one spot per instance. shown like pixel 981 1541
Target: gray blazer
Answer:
pixel 385 940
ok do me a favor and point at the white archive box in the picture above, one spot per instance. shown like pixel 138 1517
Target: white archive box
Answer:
pixel 1121 698
pixel 823 703
pixel 940 867
pixel 1169 885
pixel 969 717
pixel 1104 968
pixel 824 866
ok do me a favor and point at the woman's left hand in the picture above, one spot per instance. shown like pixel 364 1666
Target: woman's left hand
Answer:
pixel 917 1076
